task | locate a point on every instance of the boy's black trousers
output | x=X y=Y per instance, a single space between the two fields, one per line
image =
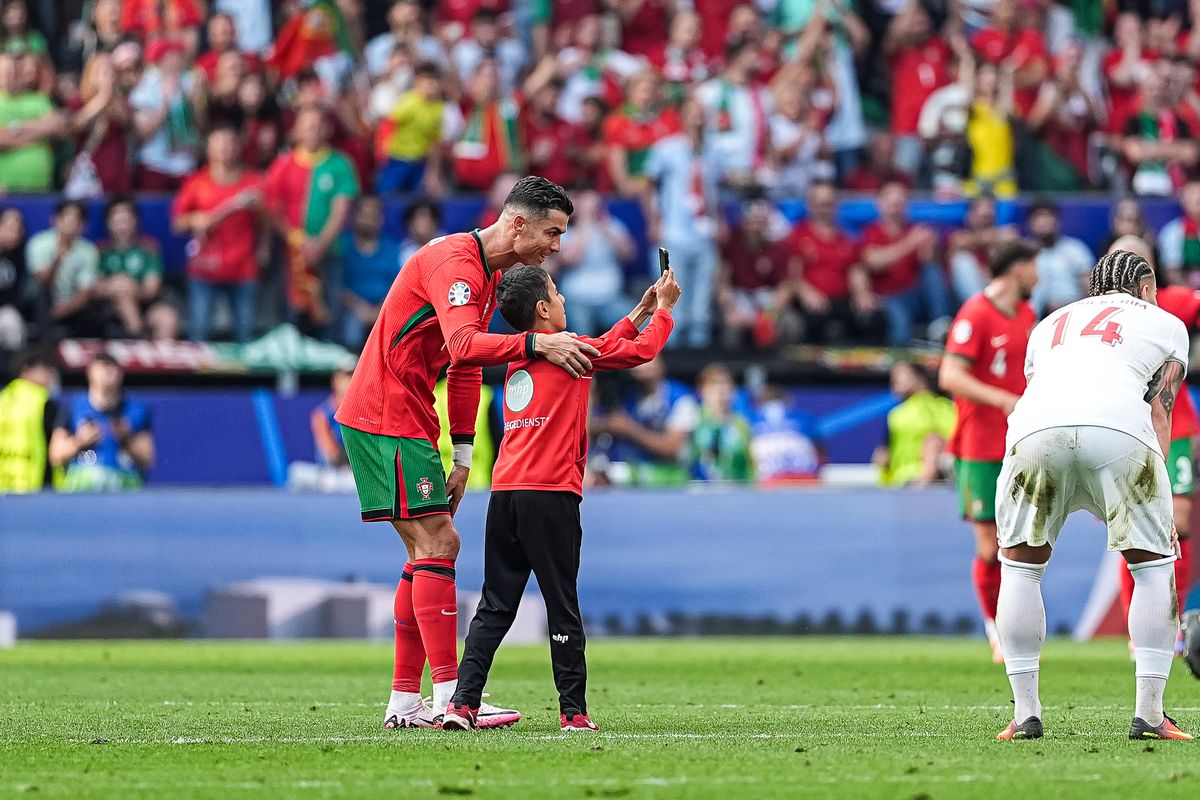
x=539 y=532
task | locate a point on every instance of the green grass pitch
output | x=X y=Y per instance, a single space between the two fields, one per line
x=725 y=718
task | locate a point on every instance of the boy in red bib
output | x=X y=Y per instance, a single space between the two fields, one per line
x=537 y=484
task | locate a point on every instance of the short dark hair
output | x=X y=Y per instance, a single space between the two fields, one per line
x=417 y=206
x=63 y=205
x=31 y=357
x=1009 y=254
x=105 y=358
x=117 y=202
x=738 y=45
x=537 y=197
x=428 y=69
x=518 y=294
x=1044 y=204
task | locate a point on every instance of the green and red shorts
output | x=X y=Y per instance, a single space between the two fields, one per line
x=396 y=477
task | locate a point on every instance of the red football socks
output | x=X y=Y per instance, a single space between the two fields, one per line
x=436 y=605
x=986 y=578
x=410 y=652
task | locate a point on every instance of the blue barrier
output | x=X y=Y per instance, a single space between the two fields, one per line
x=745 y=552
x=1084 y=217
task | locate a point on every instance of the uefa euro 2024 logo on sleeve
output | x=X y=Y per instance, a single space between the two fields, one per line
x=519 y=391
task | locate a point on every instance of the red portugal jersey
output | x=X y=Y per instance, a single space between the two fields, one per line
x=903 y=273
x=995 y=345
x=1184 y=303
x=436 y=313
x=827 y=260
x=545 y=410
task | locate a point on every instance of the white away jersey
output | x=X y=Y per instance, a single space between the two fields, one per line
x=1090 y=363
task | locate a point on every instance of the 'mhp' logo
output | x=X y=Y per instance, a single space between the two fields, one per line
x=561 y=638
x=519 y=391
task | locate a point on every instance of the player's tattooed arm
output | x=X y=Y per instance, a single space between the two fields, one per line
x=1164 y=386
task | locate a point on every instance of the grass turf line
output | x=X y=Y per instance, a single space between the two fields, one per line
x=712 y=718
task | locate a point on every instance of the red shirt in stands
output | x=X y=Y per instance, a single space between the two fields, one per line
x=637 y=132
x=227 y=253
x=1027 y=46
x=548 y=146
x=436 y=313
x=917 y=72
x=995 y=344
x=863 y=179
x=902 y=275
x=646 y=30
x=1123 y=101
x=827 y=260
x=545 y=410
x=714 y=26
x=760 y=267
x=1185 y=304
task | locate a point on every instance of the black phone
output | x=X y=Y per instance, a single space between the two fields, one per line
x=664 y=261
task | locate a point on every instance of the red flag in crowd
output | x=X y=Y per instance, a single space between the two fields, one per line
x=319 y=30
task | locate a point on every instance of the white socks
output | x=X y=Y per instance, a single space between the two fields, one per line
x=1021 y=624
x=1153 y=625
x=403 y=701
x=443 y=693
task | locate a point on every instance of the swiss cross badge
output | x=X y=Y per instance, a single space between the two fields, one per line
x=425 y=487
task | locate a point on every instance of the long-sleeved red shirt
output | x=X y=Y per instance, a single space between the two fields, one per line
x=436 y=313
x=545 y=410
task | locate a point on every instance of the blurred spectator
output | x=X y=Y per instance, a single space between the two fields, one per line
x=918 y=60
x=588 y=151
x=797 y=138
x=970 y=247
x=632 y=131
x=308 y=193
x=251 y=21
x=1125 y=67
x=262 y=123
x=418 y=126
x=942 y=124
x=682 y=214
x=422 y=222
x=489 y=144
x=130 y=274
x=644 y=24
x=827 y=283
x=27 y=415
x=1127 y=219
x=899 y=257
x=1182 y=94
x=331 y=471
x=1064 y=263
x=486 y=42
x=738 y=110
x=159 y=20
x=592 y=68
x=680 y=61
x=103 y=437
x=16 y=36
x=990 y=133
x=720 y=444
x=165 y=119
x=222 y=38
x=65 y=266
x=100 y=33
x=1063 y=118
x=649 y=426
x=784 y=439
x=1179 y=240
x=406 y=31
x=101 y=123
x=222 y=104
x=549 y=140
x=372 y=261
x=879 y=167
x=591 y=277
x=1157 y=144
x=913 y=452
x=751 y=285
x=220 y=207
x=28 y=123
x=13 y=295
x=1015 y=48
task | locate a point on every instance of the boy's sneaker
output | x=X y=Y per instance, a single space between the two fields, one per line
x=1140 y=729
x=490 y=716
x=1031 y=728
x=460 y=718
x=576 y=721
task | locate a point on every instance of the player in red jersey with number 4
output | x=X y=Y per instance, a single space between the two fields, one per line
x=983 y=370
x=437 y=313
x=1184 y=303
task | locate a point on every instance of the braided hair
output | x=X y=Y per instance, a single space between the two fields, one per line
x=1120 y=271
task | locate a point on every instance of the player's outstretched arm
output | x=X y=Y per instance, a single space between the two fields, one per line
x=621 y=353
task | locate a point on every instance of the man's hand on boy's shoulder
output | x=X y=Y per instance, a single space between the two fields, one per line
x=565 y=351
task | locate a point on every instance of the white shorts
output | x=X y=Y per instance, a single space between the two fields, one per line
x=1053 y=472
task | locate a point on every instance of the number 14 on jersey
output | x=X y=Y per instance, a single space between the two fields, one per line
x=1101 y=326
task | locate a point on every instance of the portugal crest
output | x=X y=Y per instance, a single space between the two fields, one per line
x=425 y=487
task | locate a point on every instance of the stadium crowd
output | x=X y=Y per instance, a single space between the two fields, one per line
x=267 y=121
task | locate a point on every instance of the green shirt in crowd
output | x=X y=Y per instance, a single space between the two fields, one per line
x=721 y=449
x=140 y=261
x=29 y=168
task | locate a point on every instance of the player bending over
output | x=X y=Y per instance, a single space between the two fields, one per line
x=1091 y=432
x=537 y=485
x=437 y=312
x=1182 y=302
x=982 y=370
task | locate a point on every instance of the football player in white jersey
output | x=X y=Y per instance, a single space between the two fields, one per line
x=1090 y=433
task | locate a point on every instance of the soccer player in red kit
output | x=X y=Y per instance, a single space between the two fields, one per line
x=537 y=485
x=984 y=369
x=1184 y=303
x=437 y=313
